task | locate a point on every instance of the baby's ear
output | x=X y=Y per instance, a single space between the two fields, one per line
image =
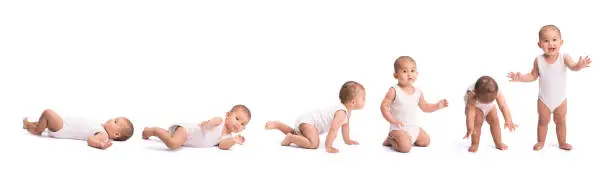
x=395 y=75
x=227 y=114
x=117 y=134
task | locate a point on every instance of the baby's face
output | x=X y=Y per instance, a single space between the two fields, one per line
x=360 y=100
x=237 y=120
x=407 y=73
x=113 y=126
x=550 y=42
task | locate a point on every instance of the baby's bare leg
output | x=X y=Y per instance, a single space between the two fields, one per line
x=423 y=140
x=559 y=118
x=280 y=126
x=400 y=141
x=308 y=139
x=543 y=120
x=478 y=121
x=493 y=121
x=173 y=141
x=48 y=119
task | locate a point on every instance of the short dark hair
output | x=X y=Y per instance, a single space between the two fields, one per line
x=241 y=108
x=486 y=89
x=349 y=91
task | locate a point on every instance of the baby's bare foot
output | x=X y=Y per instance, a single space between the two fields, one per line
x=538 y=146
x=147 y=132
x=26 y=124
x=272 y=125
x=30 y=127
x=287 y=141
x=501 y=146
x=386 y=142
x=566 y=146
x=473 y=148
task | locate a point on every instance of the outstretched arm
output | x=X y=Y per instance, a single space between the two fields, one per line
x=431 y=107
x=501 y=102
x=576 y=66
x=470 y=113
x=530 y=77
x=346 y=136
x=339 y=117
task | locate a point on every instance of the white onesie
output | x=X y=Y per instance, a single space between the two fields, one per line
x=552 y=81
x=484 y=107
x=404 y=108
x=197 y=137
x=321 y=119
x=77 y=128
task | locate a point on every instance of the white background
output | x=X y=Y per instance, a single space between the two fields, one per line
x=160 y=62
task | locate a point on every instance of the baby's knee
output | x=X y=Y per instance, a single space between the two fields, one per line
x=423 y=143
x=559 y=120
x=313 y=145
x=543 y=121
x=47 y=112
x=403 y=148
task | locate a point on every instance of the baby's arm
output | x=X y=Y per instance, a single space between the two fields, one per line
x=345 y=134
x=100 y=140
x=385 y=108
x=431 y=107
x=501 y=102
x=214 y=122
x=339 y=117
x=227 y=143
x=471 y=113
x=530 y=77
x=576 y=66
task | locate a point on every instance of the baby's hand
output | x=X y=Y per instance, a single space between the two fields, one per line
x=514 y=76
x=397 y=123
x=511 y=126
x=239 y=139
x=104 y=144
x=331 y=150
x=583 y=63
x=442 y=104
x=469 y=133
x=204 y=125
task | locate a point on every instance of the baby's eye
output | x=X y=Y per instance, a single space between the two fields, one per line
x=404 y=71
x=554 y=39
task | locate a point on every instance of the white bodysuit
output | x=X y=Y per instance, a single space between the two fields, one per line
x=321 y=119
x=552 y=82
x=484 y=107
x=197 y=137
x=77 y=128
x=405 y=109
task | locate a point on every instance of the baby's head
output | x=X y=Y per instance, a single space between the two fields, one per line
x=237 y=118
x=405 y=70
x=486 y=89
x=119 y=129
x=352 y=94
x=550 y=40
